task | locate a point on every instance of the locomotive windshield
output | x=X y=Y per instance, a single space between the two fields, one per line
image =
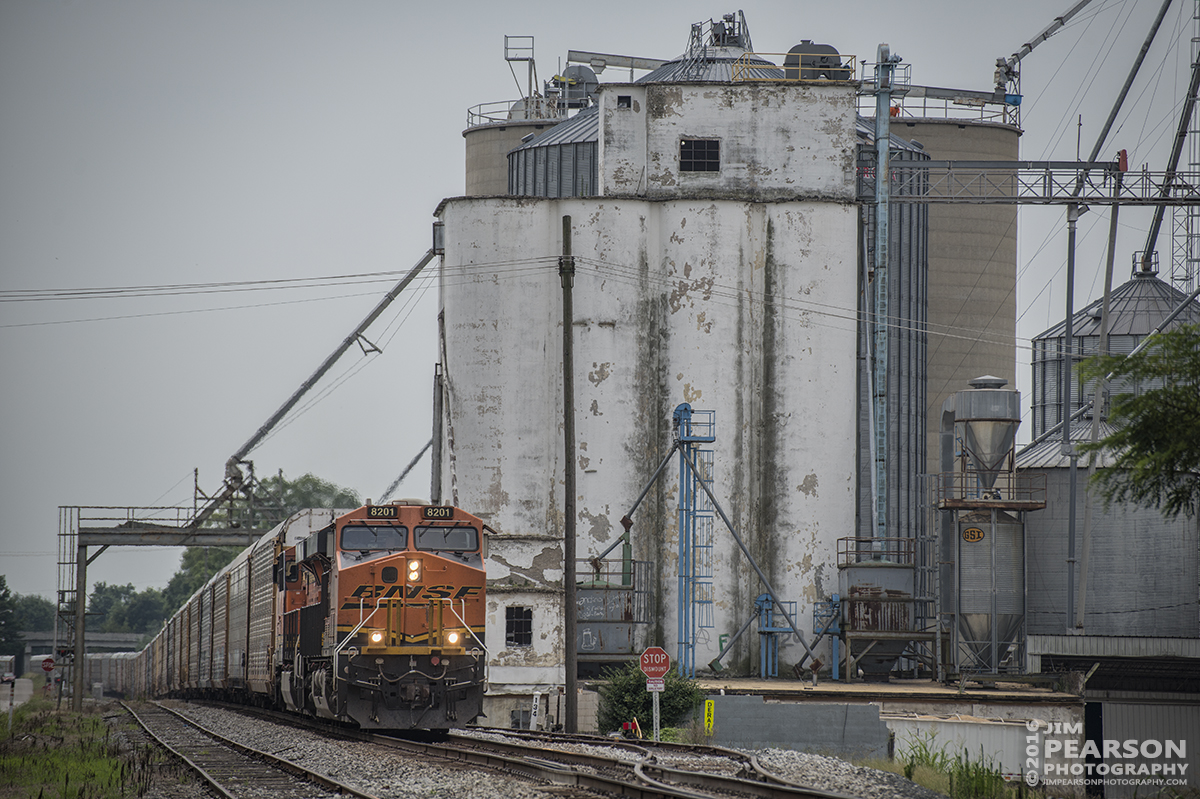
x=365 y=537
x=447 y=539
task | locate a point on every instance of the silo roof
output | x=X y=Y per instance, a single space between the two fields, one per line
x=1136 y=308
x=715 y=66
x=583 y=127
x=1048 y=454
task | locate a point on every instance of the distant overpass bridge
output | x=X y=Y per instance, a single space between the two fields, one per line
x=42 y=643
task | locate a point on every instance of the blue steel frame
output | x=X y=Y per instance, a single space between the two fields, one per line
x=695 y=532
x=768 y=650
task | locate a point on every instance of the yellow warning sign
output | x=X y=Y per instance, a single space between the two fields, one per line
x=709 y=711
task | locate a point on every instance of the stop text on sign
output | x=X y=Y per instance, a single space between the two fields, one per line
x=655 y=662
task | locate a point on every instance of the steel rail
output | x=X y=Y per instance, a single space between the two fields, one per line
x=641 y=778
x=252 y=764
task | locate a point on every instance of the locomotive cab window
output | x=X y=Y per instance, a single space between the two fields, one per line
x=365 y=538
x=699 y=155
x=446 y=539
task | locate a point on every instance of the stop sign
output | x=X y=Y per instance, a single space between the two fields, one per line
x=655 y=662
x=48 y=664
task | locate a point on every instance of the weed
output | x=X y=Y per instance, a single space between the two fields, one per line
x=932 y=766
x=71 y=756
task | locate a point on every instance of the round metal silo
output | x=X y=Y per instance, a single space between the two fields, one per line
x=1136 y=308
x=991 y=587
x=560 y=163
x=908 y=289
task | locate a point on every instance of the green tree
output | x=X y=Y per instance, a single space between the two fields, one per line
x=33 y=613
x=1156 y=445
x=623 y=697
x=106 y=606
x=308 y=491
x=122 y=609
x=145 y=612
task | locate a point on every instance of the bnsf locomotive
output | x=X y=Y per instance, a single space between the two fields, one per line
x=375 y=616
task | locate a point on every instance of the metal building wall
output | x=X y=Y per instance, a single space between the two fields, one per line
x=1143 y=570
x=558 y=170
x=1171 y=718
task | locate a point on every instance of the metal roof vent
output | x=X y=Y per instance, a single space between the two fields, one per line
x=988 y=381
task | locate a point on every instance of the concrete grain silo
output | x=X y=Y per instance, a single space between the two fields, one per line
x=715 y=265
x=972 y=258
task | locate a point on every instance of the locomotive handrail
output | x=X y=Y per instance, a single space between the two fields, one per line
x=350 y=635
x=450 y=602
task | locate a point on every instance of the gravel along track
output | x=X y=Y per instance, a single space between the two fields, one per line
x=364 y=765
x=388 y=775
x=837 y=776
x=230 y=771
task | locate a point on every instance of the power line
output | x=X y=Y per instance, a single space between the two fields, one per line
x=185 y=311
x=177 y=289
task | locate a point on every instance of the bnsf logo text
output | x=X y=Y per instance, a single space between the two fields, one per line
x=412 y=592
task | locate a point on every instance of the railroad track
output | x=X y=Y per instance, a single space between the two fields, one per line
x=232 y=769
x=638 y=772
x=584 y=765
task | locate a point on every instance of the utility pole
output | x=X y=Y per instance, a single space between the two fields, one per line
x=1068 y=447
x=566 y=273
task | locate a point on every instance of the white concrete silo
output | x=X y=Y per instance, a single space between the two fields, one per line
x=732 y=288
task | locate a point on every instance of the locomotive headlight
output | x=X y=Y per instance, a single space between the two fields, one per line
x=452 y=638
x=414 y=571
x=376 y=636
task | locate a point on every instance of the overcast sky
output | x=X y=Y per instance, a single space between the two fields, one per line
x=158 y=144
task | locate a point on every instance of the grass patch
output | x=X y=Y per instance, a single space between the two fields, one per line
x=60 y=755
x=959 y=775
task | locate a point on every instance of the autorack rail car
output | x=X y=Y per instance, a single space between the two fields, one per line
x=373 y=616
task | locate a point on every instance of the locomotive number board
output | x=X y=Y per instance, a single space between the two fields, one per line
x=383 y=512
x=437 y=512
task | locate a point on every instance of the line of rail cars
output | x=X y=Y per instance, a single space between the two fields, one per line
x=373 y=616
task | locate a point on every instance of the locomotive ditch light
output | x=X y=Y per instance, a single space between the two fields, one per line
x=376 y=637
x=452 y=638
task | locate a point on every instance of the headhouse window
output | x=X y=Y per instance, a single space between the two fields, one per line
x=699 y=155
x=518 y=626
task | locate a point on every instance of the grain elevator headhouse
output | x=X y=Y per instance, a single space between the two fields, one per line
x=714 y=234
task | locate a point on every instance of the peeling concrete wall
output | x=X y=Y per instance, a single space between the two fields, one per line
x=742 y=308
x=777 y=140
